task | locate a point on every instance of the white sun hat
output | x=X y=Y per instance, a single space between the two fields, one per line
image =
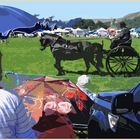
x=82 y=80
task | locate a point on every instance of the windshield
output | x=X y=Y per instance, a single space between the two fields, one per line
x=136 y=92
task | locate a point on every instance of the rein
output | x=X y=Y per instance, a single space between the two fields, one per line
x=55 y=41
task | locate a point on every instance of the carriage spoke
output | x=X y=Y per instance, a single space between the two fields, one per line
x=134 y=64
x=121 y=57
x=114 y=60
x=115 y=65
x=122 y=60
x=126 y=69
x=121 y=69
x=131 y=68
x=127 y=65
x=126 y=57
x=117 y=68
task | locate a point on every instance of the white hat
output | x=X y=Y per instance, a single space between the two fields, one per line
x=82 y=80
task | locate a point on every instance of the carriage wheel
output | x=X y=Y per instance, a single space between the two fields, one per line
x=122 y=61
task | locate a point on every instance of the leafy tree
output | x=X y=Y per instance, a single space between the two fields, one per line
x=100 y=24
x=85 y=24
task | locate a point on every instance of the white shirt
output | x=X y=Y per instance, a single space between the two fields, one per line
x=15 y=119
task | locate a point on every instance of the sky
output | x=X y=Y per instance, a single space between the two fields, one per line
x=69 y=10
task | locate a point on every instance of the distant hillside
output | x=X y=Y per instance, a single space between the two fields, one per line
x=131 y=19
x=131 y=16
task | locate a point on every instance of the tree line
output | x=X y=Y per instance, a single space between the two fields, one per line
x=91 y=25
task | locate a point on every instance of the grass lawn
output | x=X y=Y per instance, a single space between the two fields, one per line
x=22 y=55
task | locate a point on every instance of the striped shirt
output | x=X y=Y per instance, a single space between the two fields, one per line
x=15 y=119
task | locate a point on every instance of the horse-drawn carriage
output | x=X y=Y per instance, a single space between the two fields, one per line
x=122 y=60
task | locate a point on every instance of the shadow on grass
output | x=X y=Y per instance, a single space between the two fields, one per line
x=83 y=72
x=138 y=73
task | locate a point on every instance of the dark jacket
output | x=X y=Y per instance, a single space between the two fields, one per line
x=124 y=34
x=123 y=37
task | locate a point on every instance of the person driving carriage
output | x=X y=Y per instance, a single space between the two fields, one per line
x=123 y=37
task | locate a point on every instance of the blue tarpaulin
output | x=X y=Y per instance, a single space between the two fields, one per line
x=11 y=18
x=16 y=20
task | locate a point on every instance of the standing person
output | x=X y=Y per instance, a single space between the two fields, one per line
x=15 y=120
x=82 y=81
x=122 y=37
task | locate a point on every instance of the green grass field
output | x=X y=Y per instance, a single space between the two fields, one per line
x=23 y=55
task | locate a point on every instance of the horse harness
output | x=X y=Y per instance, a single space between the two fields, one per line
x=66 y=45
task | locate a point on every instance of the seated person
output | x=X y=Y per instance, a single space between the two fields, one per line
x=122 y=37
x=15 y=120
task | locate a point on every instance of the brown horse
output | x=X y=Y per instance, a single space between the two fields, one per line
x=66 y=50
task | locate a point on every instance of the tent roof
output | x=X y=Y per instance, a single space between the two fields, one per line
x=101 y=30
x=11 y=18
x=78 y=29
